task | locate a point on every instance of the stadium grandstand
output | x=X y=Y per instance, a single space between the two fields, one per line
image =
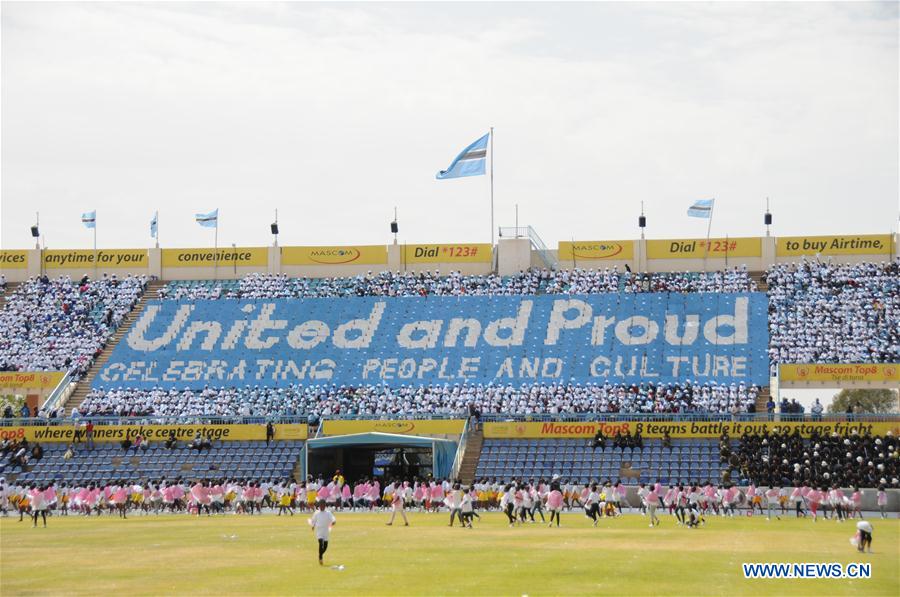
x=636 y=361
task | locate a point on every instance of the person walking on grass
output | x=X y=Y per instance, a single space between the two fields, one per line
x=398 y=505
x=652 y=501
x=555 y=503
x=321 y=523
x=592 y=504
x=38 y=505
x=772 y=503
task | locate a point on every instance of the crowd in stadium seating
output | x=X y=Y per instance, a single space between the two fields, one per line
x=318 y=401
x=731 y=280
x=823 y=460
x=58 y=324
x=535 y=281
x=831 y=313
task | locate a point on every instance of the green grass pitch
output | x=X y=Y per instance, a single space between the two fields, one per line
x=270 y=555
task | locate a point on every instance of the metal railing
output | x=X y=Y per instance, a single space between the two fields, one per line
x=550 y=262
x=689 y=417
x=156 y=420
x=460 y=451
x=59 y=393
x=489 y=417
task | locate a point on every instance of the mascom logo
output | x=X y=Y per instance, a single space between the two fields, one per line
x=890 y=372
x=400 y=427
x=596 y=250
x=520 y=429
x=334 y=256
x=802 y=372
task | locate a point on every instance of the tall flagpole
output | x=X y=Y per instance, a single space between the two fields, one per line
x=95 y=244
x=492 y=189
x=708 y=229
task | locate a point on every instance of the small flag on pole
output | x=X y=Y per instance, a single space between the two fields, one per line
x=89 y=219
x=470 y=162
x=210 y=220
x=701 y=209
x=154 y=222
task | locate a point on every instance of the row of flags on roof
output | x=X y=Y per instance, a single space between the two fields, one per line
x=469 y=162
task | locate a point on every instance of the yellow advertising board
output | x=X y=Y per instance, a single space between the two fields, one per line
x=154 y=433
x=861 y=244
x=841 y=372
x=231 y=256
x=459 y=253
x=595 y=249
x=359 y=255
x=108 y=258
x=696 y=248
x=13 y=259
x=30 y=380
x=401 y=427
x=676 y=429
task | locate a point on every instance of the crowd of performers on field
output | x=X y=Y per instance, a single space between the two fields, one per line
x=521 y=501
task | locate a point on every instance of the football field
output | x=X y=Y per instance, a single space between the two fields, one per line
x=271 y=555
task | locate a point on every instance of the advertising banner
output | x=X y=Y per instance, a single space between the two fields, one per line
x=824 y=373
x=109 y=258
x=401 y=427
x=675 y=429
x=862 y=244
x=232 y=256
x=460 y=253
x=361 y=255
x=30 y=380
x=582 y=250
x=13 y=259
x=153 y=433
x=719 y=248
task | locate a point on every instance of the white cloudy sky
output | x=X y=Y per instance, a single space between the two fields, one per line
x=336 y=113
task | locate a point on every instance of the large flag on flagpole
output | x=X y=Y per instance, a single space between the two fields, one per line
x=701 y=209
x=154 y=223
x=470 y=161
x=89 y=219
x=210 y=220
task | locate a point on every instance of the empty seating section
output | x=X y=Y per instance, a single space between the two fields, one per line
x=108 y=462
x=694 y=460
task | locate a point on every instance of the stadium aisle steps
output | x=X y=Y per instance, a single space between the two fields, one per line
x=474 y=443
x=10 y=289
x=84 y=385
x=762 y=399
x=760 y=280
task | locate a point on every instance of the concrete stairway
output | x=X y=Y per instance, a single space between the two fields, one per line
x=762 y=399
x=474 y=442
x=764 y=392
x=84 y=385
x=758 y=278
x=10 y=289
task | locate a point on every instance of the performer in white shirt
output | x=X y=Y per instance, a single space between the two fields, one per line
x=321 y=522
